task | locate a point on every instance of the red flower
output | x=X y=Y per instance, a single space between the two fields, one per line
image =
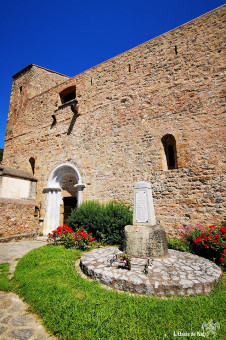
x=92 y=239
x=224 y=245
x=209 y=237
x=223 y=229
x=221 y=259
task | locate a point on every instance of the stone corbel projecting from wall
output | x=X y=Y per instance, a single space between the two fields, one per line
x=72 y=103
x=68 y=97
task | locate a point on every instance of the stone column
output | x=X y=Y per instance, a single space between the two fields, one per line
x=144 y=238
x=52 y=209
x=80 y=187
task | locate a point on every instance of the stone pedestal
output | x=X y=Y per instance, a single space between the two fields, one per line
x=144 y=238
x=145 y=241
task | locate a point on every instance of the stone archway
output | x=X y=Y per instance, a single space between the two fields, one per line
x=64 y=178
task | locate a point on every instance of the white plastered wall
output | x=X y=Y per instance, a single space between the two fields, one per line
x=16 y=188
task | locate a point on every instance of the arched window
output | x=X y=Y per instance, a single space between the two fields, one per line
x=32 y=162
x=169 y=144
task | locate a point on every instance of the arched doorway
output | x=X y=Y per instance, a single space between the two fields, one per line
x=63 y=192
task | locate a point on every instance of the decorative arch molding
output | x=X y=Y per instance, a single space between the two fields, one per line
x=53 y=194
x=60 y=172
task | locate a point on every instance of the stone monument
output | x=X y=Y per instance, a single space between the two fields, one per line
x=144 y=239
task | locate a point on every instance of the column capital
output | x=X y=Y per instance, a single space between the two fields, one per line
x=79 y=186
x=46 y=190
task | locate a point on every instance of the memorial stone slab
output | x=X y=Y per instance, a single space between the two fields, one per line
x=143 y=212
x=144 y=238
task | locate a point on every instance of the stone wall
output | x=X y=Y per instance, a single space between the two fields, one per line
x=24 y=87
x=18 y=217
x=172 y=84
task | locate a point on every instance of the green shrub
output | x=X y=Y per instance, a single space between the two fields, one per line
x=105 y=221
x=88 y=215
x=181 y=245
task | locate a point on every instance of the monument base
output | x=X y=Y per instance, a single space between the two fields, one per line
x=145 y=241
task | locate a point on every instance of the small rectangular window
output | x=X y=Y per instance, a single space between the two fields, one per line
x=68 y=94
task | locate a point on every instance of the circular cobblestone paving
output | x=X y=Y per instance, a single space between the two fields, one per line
x=177 y=274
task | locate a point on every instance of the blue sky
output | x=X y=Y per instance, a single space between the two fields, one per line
x=71 y=36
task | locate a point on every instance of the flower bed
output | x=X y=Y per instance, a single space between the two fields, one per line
x=209 y=242
x=212 y=244
x=65 y=235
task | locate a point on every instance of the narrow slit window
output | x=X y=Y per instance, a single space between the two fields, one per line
x=169 y=145
x=32 y=163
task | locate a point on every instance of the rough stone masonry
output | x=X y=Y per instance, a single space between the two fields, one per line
x=154 y=113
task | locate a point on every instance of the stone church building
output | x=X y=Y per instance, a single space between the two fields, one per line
x=154 y=113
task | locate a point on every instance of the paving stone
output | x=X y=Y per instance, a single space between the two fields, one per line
x=6 y=319
x=21 y=320
x=179 y=274
x=15 y=322
x=2 y=330
x=22 y=334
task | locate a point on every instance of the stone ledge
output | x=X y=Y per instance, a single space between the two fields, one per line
x=18 y=237
x=20 y=201
x=178 y=274
x=17 y=173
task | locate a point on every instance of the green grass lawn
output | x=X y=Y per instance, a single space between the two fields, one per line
x=5 y=283
x=74 y=308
